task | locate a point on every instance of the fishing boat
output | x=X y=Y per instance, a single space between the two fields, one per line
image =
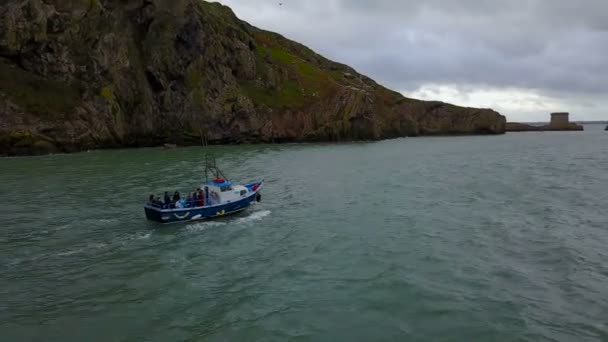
x=219 y=197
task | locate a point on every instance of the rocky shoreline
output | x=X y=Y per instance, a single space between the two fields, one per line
x=79 y=75
x=44 y=147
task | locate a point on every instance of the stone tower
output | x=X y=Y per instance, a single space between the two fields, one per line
x=560 y=121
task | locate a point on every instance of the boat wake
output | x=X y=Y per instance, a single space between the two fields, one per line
x=202 y=226
x=255 y=216
x=96 y=246
x=136 y=236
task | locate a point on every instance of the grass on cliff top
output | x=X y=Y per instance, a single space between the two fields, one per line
x=314 y=71
x=51 y=100
x=223 y=17
x=306 y=82
x=290 y=94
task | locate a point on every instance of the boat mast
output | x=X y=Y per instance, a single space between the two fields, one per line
x=210 y=163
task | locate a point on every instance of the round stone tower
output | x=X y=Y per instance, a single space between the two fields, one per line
x=560 y=120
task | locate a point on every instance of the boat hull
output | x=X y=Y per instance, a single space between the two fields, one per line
x=166 y=216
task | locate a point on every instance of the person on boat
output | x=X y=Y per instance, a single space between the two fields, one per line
x=178 y=205
x=176 y=196
x=167 y=198
x=189 y=201
x=200 y=199
x=215 y=197
x=153 y=202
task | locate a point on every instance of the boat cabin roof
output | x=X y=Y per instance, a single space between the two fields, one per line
x=221 y=183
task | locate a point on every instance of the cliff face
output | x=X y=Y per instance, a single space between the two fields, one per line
x=83 y=74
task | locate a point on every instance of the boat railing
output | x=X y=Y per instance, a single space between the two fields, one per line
x=209 y=202
x=172 y=206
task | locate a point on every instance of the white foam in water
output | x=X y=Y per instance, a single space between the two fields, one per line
x=198 y=227
x=255 y=216
x=72 y=252
x=132 y=237
x=99 y=245
x=202 y=226
x=107 y=221
x=65 y=226
x=138 y=236
x=143 y=236
x=88 y=248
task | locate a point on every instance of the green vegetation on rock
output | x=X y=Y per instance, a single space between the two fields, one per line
x=290 y=94
x=51 y=100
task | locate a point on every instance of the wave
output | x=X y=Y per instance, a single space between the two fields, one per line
x=99 y=245
x=96 y=246
x=136 y=236
x=70 y=252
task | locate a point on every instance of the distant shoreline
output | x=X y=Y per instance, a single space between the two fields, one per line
x=177 y=147
x=539 y=123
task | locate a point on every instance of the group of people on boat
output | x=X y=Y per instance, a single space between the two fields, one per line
x=196 y=199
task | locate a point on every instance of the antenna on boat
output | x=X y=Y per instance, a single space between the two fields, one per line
x=210 y=164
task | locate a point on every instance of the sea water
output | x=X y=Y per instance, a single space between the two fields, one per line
x=482 y=238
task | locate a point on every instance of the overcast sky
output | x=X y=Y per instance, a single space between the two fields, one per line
x=524 y=58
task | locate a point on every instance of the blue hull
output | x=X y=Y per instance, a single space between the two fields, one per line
x=195 y=214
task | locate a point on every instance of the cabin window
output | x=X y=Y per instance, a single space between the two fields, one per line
x=243 y=192
x=226 y=188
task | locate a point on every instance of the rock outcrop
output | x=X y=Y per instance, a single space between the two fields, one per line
x=84 y=74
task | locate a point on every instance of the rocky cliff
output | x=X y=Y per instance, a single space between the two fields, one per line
x=83 y=74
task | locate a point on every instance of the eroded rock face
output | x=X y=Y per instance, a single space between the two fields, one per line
x=83 y=74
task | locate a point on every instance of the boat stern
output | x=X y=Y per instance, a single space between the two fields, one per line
x=153 y=214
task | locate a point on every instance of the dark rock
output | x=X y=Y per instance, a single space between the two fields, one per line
x=92 y=74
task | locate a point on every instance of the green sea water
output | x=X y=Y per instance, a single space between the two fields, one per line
x=493 y=238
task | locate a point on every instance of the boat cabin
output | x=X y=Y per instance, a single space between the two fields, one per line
x=223 y=191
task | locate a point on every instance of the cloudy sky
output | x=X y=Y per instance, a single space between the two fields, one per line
x=524 y=58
